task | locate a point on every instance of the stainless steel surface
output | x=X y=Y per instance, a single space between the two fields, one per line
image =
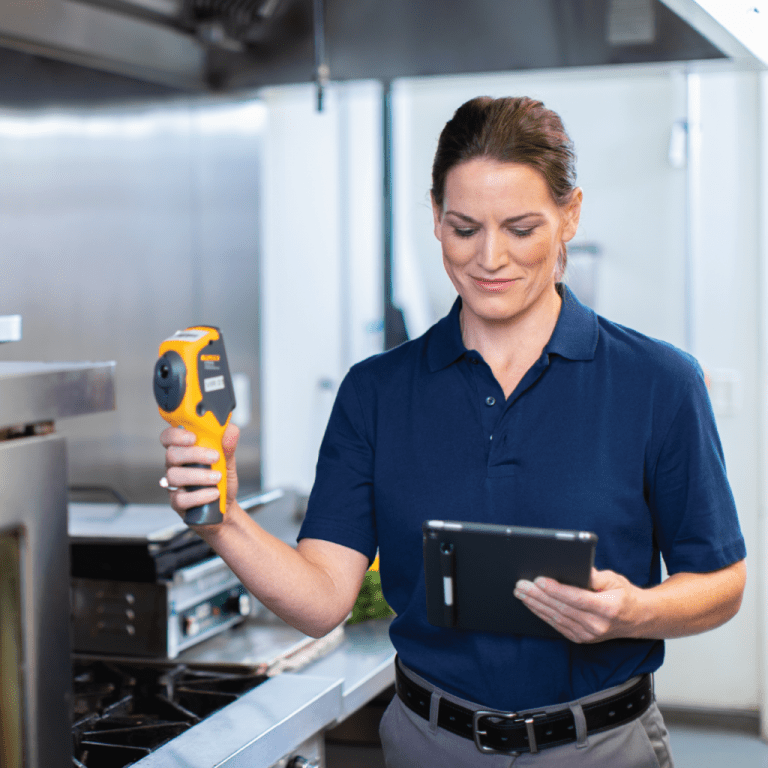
x=10 y=328
x=257 y=642
x=258 y=729
x=146 y=523
x=308 y=754
x=103 y=39
x=33 y=504
x=36 y=392
x=218 y=46
x=157 y=208
x=365 y=661
x=131 y=523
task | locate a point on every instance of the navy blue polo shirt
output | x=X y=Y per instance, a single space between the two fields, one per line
x=609 y=431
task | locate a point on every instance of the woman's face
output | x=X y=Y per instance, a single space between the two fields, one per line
x=501 y=233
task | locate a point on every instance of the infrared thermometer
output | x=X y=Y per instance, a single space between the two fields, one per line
x=193 y=389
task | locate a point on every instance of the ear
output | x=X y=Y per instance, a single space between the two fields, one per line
x=437 y=215
x=572 y=214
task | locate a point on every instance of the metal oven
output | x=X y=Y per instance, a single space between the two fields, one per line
x=35 y=674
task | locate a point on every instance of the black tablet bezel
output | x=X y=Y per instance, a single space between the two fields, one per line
x=471 y=570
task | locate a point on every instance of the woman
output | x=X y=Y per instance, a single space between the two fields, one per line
x=522 y=407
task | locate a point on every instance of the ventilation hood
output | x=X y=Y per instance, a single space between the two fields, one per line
x=204 y=45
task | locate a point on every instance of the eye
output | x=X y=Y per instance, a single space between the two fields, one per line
x=523 y=232
x=464 y=231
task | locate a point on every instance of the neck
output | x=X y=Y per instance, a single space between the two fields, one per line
x=511 y=346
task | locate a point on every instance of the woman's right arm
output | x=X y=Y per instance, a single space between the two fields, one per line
x=312 y=587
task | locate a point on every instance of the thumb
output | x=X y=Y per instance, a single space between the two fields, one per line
x=228 y=445
x=600 y=580
x=229 y=441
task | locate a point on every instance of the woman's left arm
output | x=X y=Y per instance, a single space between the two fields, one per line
x=683 y=604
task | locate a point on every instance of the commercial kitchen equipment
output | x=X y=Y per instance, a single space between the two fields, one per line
x=35 y=676
x=257 y=692
x=144 y=584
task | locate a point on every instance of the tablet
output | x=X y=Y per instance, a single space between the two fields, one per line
x=471 y=570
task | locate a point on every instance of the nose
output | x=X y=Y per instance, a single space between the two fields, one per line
x=494 y=252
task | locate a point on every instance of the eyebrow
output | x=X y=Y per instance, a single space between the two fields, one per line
x=510 y=220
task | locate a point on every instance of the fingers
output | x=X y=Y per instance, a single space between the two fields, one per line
x=176 y=456
x=574 y=624
x=183 y=477
x=180 y=449
x=177 y=436
x=580 y=615
x=180 y=452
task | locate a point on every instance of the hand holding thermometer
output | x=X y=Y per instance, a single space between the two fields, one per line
x=193 y=389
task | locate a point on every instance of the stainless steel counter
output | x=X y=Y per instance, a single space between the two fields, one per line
x=36 y=392
x=365 y=661
x=271 y=720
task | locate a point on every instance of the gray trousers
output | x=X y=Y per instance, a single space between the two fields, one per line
x=409 y=741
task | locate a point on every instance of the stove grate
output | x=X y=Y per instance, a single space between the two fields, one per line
x=124 y=711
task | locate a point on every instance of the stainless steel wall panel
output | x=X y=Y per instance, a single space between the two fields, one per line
x=121 y=226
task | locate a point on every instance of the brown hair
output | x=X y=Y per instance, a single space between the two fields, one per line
x=508 y=130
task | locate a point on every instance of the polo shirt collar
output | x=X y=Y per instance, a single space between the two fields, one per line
x=574 y=337
x=576 y=330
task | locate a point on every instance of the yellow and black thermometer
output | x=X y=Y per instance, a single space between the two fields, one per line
x=193 y=389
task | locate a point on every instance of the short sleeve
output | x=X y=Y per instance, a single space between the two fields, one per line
x=696 y=523
x=340 y=507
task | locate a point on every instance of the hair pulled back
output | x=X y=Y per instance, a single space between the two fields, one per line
x=508 y=130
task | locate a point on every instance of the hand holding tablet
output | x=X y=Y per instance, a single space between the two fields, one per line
x=471 y=570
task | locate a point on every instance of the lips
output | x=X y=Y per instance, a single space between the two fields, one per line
x=494 y=286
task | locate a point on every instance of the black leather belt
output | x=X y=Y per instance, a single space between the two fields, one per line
x=505 y=732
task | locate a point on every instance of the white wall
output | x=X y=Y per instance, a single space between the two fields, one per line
x=322 y=295
x=760 y=563
x=634 y=202
x=721 y=668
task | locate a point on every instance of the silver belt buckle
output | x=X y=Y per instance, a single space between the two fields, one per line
x=477 y=733
x=527 y=720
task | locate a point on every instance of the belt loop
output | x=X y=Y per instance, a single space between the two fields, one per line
x=434 y=709
x=581 y=725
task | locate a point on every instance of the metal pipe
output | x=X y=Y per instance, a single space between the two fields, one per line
x=322 y=71
x=394 y=323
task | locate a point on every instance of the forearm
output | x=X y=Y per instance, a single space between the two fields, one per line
x=684 y=604
x=690 y=603
x=292 y=583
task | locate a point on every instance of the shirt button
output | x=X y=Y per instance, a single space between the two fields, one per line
x=474 y=361
x=490 y=401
